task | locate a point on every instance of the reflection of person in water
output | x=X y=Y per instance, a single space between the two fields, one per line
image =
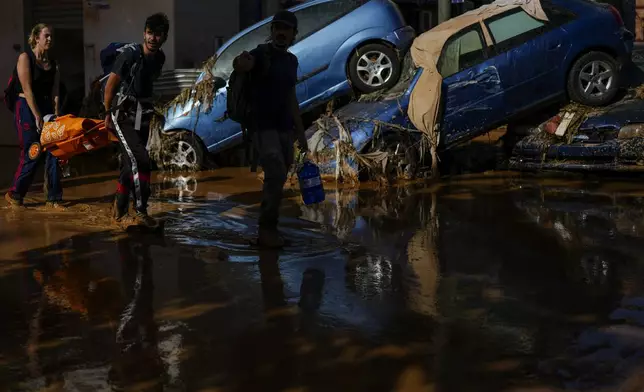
x=38 y=365
x=62 y=274
x=272 y=284
x=272 y=345
x=65 y=284
x=138 y=359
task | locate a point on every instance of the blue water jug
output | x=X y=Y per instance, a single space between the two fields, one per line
x=310 y=183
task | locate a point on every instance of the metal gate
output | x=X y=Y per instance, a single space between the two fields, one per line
x=61 y=14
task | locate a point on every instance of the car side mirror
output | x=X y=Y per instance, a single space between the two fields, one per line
x=218 y=83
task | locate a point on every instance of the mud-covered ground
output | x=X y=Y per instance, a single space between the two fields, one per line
x=483 y=282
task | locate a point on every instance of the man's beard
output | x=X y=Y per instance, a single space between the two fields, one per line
x=280 y=42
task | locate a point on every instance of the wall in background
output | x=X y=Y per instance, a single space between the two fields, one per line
x=122 y=22
x=11 y=33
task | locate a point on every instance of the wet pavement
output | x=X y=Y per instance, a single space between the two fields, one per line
x=487 y=282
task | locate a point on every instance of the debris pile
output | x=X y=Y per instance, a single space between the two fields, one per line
x=200 y=94
x=378 y=161
x=638 y=92
x=348 y=161
x=562 y=128
x=632 y=150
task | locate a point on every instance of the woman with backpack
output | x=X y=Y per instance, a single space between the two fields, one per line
x=35 y=89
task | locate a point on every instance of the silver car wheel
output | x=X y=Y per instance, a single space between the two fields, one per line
x=185 y=156
x=596 y=78
x=374 y=68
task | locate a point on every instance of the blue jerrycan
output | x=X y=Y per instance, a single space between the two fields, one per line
x=310 y=183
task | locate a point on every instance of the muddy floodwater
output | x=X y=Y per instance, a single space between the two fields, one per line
x=486 y=282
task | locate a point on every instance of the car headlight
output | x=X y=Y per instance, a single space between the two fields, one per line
x=630 y=131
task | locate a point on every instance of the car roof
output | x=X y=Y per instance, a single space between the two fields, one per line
x=262 y=22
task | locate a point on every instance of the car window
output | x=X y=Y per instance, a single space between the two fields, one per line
x=224 y=65
x=461 y=52
x=315 y=17
x=513 y=29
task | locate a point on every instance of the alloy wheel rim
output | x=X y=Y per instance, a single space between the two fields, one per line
x=596 y=78
x=374 y=68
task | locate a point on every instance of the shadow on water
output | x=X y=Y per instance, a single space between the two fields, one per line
x=477 y=285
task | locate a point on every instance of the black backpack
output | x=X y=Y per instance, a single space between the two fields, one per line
x=11 y=92
x=238 y=100
x=108 y=57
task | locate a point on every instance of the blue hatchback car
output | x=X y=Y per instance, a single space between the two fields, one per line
x=340 y=44
x=577 y=54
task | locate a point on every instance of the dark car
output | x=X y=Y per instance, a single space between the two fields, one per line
x=610 y=140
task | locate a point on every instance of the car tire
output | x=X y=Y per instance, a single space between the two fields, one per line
x=182 y=151
x=372 y=60
x=587 y=70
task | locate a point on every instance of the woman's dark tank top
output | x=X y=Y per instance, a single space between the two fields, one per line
x=42 y=81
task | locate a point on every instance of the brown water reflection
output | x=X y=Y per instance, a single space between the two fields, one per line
x=484 y=283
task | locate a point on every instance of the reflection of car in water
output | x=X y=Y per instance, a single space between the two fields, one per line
x=601 y=229
x=340 y=44
x=176 y=185
x=530 y=63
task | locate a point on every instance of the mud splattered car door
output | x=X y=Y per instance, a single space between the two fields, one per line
x=472 y=96
x=534 y=51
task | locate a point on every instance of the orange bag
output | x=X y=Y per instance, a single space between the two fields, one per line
x=65 y=127
x=97 y=139
x=69 y=136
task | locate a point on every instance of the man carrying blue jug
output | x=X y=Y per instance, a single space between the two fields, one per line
x=272 y=71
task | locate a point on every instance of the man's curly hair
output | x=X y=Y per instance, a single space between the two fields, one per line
x=158 y=23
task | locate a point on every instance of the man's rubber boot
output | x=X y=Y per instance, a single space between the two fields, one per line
x=270 y=238
x=118 y=213
x=15 y=203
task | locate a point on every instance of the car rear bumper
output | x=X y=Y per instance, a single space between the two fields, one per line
x=608 y=156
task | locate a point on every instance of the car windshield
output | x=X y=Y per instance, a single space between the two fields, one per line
x=224 y=65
